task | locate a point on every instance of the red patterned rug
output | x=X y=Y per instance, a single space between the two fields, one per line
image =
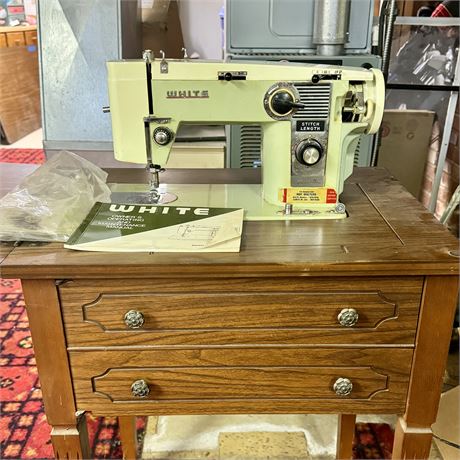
x=373 y=440
x=24 y=432
x=31 y=156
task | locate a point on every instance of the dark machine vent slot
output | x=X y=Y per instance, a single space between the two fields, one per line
x=357 y=153
x=251 y=146
x=317 y=98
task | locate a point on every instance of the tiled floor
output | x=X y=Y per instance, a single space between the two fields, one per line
x=31 y=141
x=248 y=437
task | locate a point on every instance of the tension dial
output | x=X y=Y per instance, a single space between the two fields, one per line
x=162 y=136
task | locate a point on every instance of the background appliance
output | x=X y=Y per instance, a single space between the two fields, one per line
x=75 y=41
x=292 y=30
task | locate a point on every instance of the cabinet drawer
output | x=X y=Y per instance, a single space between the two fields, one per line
x=31 y=37
x=262 y=378
x=238 y=312
x=3 y=43
x=15 y=39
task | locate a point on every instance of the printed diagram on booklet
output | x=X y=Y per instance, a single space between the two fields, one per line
x=195 y=233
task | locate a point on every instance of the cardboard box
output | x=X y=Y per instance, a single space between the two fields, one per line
x=161 y=28
x=447 y=425
x=19 y=93
x=405 y=140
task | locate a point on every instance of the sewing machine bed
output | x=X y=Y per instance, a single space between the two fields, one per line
x=246 y=196
x=367 y=214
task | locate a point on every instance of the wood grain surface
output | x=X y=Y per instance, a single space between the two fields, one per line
x=70 y=442
x=50 y=350
x=345 y=436
x=184 y=312
x=7 y=29
x=5 y=249
x=19 y=89
x=128 y=436
x=192 y=383
x=229 y=378
x=413 y=432
x=69 y=434
x=411 y=444
x=433 y=337
x=388 y=232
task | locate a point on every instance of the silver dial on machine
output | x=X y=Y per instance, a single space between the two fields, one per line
x=162 y=136
x=309 y=152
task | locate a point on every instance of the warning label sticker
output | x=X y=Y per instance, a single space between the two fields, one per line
x=316 y=195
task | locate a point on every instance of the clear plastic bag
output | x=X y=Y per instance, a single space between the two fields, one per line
x=50 y=203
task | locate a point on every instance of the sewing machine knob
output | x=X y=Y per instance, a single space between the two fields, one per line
x=309 y=152
x=282 y=102
x=162 y=136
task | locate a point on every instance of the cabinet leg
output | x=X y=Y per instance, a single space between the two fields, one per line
x=68 y=435
x=413 y=431
x=345 y=435
x=411 y=443
x=71 y=441
x=128 y=437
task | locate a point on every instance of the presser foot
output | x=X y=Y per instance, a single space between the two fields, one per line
x=156 y=196
x=146 y=197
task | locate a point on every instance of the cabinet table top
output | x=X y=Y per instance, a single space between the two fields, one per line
x=388 y=232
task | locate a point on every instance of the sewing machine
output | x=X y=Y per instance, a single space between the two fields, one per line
x=311 y=116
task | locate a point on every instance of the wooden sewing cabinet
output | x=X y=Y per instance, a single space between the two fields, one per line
x=346 y=316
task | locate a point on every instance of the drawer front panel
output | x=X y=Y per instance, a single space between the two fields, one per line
x=309 y=311
x=198 y=377
x=15 y=39
x=242 y=310
x=237 y=383
x=31 y=37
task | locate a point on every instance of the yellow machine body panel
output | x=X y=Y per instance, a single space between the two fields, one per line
x=311 y=117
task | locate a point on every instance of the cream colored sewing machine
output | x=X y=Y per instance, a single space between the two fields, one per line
x=311 y=118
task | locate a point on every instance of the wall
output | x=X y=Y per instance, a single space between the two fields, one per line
x=450 y=175
x=201 y=27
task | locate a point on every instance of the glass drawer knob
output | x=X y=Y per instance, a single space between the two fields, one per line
x=348 y=317
x=343 y=387
x=134 y=319
x=140 y=389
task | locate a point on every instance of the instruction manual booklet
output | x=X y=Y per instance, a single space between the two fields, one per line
x=154 y=228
